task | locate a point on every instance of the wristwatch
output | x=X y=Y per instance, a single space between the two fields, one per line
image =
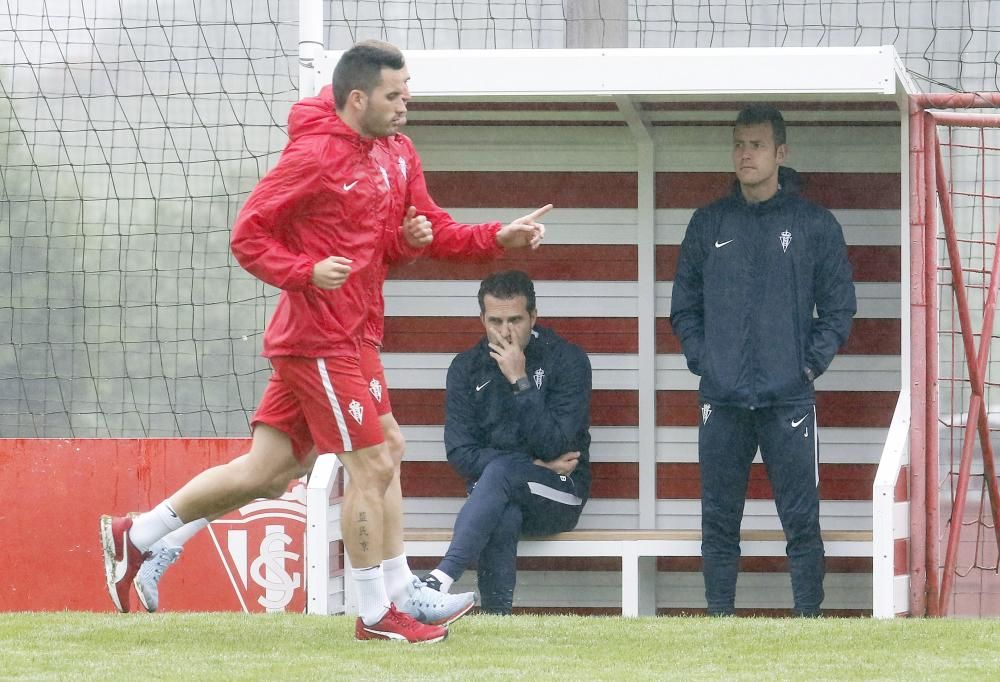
x=522 y=384
x=810 y=375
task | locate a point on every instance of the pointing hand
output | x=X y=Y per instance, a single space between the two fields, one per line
x=525 y=231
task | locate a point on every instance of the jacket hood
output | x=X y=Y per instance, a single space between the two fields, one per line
x=317 y=116
x=789 y=184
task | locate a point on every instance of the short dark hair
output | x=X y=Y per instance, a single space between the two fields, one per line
x=506 y=285
x=764 y=113
x=360 y=68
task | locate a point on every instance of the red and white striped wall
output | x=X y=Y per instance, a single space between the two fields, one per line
x=500 y=160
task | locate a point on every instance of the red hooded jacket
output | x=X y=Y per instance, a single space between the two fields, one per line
x=336 y=193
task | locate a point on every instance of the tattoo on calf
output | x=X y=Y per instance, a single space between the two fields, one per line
x=363 y=531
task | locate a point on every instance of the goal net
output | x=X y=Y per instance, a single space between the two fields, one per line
x=133 y=131
x=967 y=373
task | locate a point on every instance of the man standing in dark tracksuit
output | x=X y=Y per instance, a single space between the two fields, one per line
x=517 y=429
x=753 y=268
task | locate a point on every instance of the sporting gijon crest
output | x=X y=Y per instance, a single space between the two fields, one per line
x=263 y=552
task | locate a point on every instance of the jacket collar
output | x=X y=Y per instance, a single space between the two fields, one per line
x=789 y=185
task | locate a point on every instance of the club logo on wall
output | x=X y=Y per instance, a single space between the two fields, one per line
x=262 y=552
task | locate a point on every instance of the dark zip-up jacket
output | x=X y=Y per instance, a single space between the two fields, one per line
x=485 y=419
x=748 y=279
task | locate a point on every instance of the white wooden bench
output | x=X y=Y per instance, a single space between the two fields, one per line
x=637 y=549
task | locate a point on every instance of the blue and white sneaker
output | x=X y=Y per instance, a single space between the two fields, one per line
x=432 y=607
x=147 y=580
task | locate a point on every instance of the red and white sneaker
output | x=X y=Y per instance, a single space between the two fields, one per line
x=122 y=559
x=400 y=627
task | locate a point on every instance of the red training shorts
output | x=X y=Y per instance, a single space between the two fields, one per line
x=374 y=374
x=320 y=401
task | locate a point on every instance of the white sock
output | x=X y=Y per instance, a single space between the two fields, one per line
x=153 y=525
x=398 y=578
x=446 y=580
x=178 y=537
x=373 y=603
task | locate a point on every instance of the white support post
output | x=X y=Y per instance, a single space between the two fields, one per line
x=631 y=583
x=646 y=305
x=905 y=351
x=310 y=45
x=322 y=528
x=647 y=585
x=884 y=523
x=596 y=23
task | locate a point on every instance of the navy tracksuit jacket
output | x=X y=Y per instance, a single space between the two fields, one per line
x=748 y=279
x=492 y=435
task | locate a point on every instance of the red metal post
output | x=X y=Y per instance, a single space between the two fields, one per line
x=964 y=120
x=926 y=171
x=981 y=360
x=976 y=403
x=957 y=100
x=976 y=359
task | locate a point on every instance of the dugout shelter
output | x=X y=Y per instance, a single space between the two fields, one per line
x=627 y=143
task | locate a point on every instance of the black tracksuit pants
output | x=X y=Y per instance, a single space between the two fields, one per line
x=728 y=439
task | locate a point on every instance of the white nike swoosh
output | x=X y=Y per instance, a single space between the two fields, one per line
x=481 y=387
x=796 y=422
x=720 y=245
x=348 y=188
x=121 y=565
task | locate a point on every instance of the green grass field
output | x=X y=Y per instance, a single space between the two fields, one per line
x=87 y=646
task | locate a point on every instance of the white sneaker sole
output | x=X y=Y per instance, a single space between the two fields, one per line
x=396 y=637
x=445 y=622
x=108 y=544
x=140 y=596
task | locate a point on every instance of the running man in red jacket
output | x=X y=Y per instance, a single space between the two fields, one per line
x=321 y=226
x=425 y=225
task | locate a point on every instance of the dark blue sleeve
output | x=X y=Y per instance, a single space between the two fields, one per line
x=557 y=420
x=836 y=302
x=687 y=309
x=462 y=436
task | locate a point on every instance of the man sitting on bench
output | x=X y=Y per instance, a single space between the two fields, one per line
x=517 y=429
